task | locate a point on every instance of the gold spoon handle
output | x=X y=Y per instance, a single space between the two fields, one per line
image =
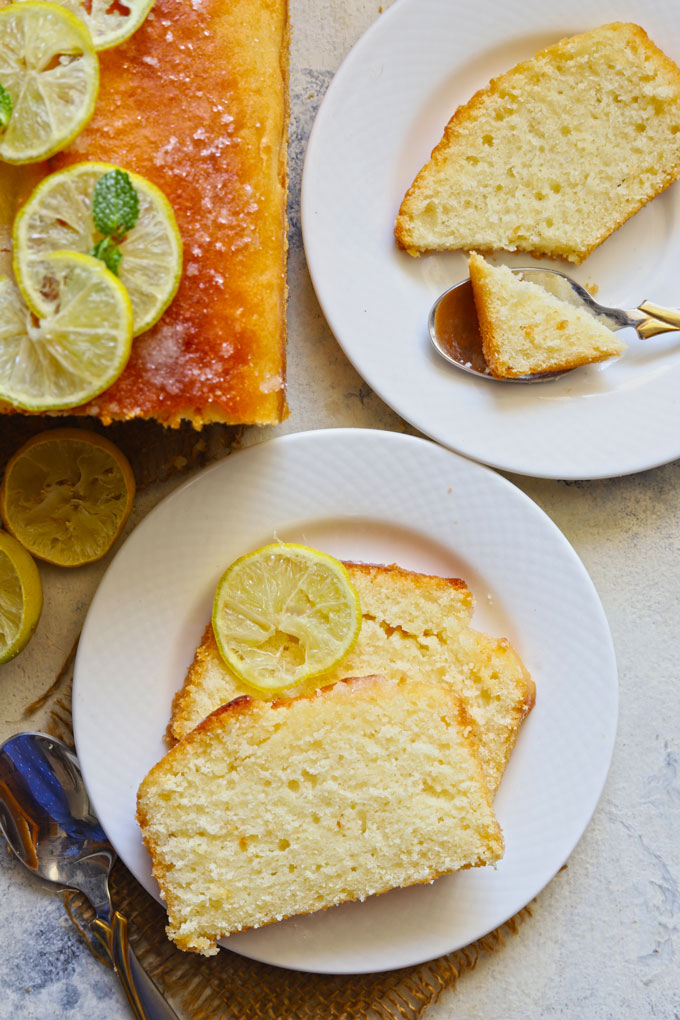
x=113 y=938
x=146 y=1002
x=661 y=320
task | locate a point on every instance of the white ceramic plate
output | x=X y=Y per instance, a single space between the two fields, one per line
x=383 y=113
x=378 y=497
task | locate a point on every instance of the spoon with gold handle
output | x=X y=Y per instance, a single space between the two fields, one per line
x=49 y=823
x=454 y=329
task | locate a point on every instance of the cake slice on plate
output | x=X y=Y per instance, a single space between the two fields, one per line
x=555 y=154
x=273 y=809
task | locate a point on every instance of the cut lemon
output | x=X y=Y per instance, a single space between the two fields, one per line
x=284 y=614
x=109 y=22
x=80 y=345
x=21 y=597
x=49 y=67
x=66 y=496
x=58 y=216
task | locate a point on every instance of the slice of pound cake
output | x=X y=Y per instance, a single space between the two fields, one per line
x=271 y=809
x=412 y=625
x=526 y=330
x=555 y=154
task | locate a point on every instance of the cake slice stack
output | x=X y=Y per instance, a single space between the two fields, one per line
x=380 y=774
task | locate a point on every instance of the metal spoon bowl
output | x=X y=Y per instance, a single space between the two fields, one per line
x=49 y=823
x=454 y=327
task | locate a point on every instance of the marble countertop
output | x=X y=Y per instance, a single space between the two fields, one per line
x=604 y=937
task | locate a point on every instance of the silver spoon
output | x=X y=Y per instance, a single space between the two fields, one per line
x=454 y=328
x=48 y=821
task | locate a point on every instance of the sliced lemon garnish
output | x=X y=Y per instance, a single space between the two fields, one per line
x=21 y=597
x=80 y=345
x=66 y=495
x=284 y=614
x=50 y=69
x=110 y=22
x=58 y=216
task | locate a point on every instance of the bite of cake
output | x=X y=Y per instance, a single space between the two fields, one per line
x=526 y=330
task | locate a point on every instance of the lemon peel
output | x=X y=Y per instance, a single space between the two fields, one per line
x=66 y=495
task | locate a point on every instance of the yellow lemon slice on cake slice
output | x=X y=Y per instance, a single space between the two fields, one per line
x=79 y=346
x=59 y=216
x=285 y=614
x=49 y=76
x=110 y=22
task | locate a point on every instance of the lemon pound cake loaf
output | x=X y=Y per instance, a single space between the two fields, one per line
x=412 y=625
x=526 y=330
x=271 y=809
x=555 y=154
x=196 y=101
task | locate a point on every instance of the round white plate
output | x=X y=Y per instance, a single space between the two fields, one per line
x=383 y=113
x=378 y=497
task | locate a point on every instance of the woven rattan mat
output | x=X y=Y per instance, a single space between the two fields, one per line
x=228 y=986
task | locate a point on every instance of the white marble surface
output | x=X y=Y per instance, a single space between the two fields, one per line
x=603 y=941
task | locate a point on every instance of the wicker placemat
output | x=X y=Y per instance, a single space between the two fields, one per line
x=231 y=987
x=228 y=986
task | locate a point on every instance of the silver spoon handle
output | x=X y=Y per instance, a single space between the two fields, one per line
x=146 y=1002
x=661 y=320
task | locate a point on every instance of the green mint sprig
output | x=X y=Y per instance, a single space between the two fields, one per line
x=115 y=210
x=110 y=254
x=6 y=107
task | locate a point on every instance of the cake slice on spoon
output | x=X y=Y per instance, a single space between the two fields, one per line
x=526 y=330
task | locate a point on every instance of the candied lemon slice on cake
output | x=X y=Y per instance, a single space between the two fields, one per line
x=59 y=216
x=66 y=495
x=21 y=597
x=50 y=71
x=80 y=345
x=284 y=614
x=110 y=22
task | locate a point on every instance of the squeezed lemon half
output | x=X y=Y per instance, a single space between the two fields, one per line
x=284 y=614
x=58 y=217
x=50 y=69
x=21 y=597
x=66 y=495
x=78 y=348
x=109 y=23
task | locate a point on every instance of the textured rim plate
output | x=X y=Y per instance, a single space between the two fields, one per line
x=381 y=497
x=383 y=113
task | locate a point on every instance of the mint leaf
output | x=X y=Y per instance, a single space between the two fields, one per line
x=109 y=253
x=115 y=204
x=5 y=108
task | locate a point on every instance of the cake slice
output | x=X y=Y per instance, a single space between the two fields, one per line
x=412 y=625
x=555 y=154
x=526 y=330
x=272 y=809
